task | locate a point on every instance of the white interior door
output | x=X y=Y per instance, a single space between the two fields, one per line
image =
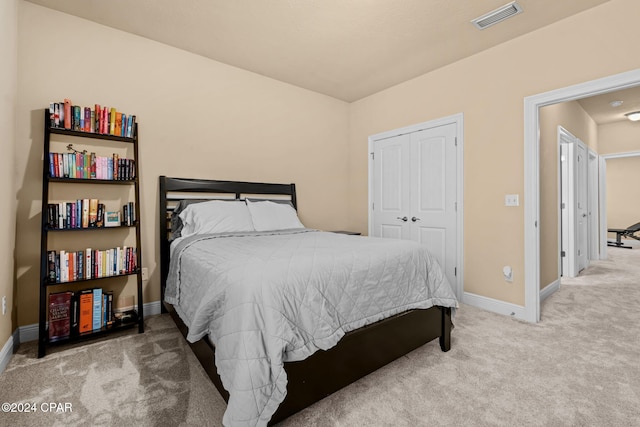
x=573 y=204
x=565 y=224
x=433 y=193
x=391 y=187
x=414 y=191
x=582 y=235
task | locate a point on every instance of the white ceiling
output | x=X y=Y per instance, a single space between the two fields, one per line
x=347 y=49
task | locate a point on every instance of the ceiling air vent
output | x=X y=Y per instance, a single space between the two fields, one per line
x=495 y=16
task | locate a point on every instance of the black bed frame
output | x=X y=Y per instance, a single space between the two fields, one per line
x=359 y=353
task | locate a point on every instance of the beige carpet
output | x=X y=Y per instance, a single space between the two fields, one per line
x=579 y=367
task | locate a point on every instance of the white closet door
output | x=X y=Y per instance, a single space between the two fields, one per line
x=391 y=189
x=414 y=191
x=433 y=193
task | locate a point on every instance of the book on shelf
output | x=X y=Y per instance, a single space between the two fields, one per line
x=59 y=315
x=90 y=166
x=85 y=320
x=97 y=309
x=99 y=119
x=69 y=266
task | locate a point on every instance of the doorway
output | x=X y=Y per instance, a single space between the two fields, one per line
x=532 y=172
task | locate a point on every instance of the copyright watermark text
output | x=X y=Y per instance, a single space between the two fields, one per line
x=52 y=407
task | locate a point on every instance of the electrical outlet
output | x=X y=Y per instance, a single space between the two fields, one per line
x=145 y=273
x=4 y=305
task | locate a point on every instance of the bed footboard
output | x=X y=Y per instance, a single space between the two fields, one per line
x=358 y=354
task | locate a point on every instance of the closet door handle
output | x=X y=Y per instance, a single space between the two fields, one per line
x=404 y=218
x=414 y=219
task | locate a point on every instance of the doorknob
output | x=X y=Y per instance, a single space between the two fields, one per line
x=414 y=219
x=404 y=218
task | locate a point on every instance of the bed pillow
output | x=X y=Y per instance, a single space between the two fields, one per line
x=216 y=216
x=267 y=215
x=176 y=222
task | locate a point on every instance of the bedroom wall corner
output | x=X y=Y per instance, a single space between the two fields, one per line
x=8 y=103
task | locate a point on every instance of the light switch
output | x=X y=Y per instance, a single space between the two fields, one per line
x=512 y=200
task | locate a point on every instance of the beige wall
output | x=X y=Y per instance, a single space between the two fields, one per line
x=572 y=117
x=8 y=98
x=198 y=118
x=623 y=174
x=489 y=89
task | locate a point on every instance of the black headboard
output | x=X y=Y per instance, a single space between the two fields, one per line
x=174 y=189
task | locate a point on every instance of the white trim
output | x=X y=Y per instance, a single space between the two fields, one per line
x=602 y=200
x=30 y=332
x=7 y=350
x=532 y=105
x=621 y=155
x=549 y=290
x=494 y=305
x=152 y=308
x=458 y=120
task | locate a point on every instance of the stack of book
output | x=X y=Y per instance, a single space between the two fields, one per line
x=73 y=313
x=87 y=213
x=96 y=119
x=89 y=166
x=66 y=266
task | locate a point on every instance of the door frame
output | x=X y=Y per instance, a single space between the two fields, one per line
x=532 y=105
x=458 y=120
x=593 y=198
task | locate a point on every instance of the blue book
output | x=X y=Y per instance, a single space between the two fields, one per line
x=52 y=166
x=97 y=308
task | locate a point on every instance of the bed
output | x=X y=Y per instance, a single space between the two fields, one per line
x=296 y=314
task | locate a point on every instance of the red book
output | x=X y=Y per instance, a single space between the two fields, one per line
x=59 y=315
x=67 y=114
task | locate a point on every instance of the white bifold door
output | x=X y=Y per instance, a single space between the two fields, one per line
x=414 y=191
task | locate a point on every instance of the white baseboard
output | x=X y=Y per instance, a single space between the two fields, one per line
x=548 y=290
x=7 y=350
x=30 y=332
x=495 y=305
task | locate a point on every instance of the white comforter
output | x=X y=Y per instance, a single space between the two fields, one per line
x=269 y=298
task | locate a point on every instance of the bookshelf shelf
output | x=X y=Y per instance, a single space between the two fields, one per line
x=92 y=135
x=113 y=227
x=93 y=279
x=93 y=181
x=58 y=262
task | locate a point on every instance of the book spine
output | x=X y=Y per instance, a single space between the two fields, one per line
x=112 y=121
x=87 y=119
x=67 y=114
x=59 y=315
x=86 y=311
x=88 y=253
x=97 y=309
x=51 y=266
